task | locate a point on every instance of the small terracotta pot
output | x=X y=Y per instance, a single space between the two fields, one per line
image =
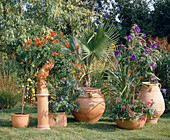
x=92 y=105
x=61 y=120
x=131 y=124
x=151 y=91
x=20 y=120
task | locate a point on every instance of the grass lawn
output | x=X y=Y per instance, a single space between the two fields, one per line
x=102 y=130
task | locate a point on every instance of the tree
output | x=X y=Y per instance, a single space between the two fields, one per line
x=161 y=18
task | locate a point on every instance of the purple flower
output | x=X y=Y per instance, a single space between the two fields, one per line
x=116 y=52
x=144 y=35
x=145 y=51
x=154 y=45
x=77 y=81
x=120 y=45
x=133 y=56
x=146 y=47
x=73 y=77
x=66 y=105
x=68 y=82
x=152 y=64
x=61 y=96
x=155 y=79
x=61 y=101
x=65 y=97
x=129 y=38
x=56 y=113
x=155 y=66
x=54 y=86
x=150 y=50
x=151 y=44
x=63 y=80
x=137 y=28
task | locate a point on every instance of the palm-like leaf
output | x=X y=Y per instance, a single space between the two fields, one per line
x=94 y=44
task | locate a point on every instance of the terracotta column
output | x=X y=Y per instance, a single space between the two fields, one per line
x=42 y=96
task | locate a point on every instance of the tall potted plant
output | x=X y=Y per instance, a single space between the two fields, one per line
x=93 y=44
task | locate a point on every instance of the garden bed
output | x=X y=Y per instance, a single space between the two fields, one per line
x=104 y=129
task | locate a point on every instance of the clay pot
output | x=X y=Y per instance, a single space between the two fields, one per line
x=92 y=105
x=20 y=120
x=61 y=120
x=151 y=91
x=131 y=124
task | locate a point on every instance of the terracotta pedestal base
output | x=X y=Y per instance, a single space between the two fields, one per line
x=43 y=119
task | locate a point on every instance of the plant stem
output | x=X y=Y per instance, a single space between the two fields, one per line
x=23 y=96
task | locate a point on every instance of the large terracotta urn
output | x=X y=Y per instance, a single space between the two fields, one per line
x=92 y=105
x=151 y=91
x=131 y=124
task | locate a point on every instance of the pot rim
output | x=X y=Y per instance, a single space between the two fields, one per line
x=20 y=115
x=60 y=112
x=89 y=89
x=149 y=83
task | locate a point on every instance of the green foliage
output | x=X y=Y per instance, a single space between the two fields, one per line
x=22 y=20
x=160 y=19
x=8 y=99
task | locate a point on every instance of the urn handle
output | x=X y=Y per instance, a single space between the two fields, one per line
x=90 y=95
x=159 y=85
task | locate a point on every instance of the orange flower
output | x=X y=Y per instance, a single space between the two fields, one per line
x=51 y=31
x=24 y=44
x=60 y=43
x=61 y=34
x=62 y=54
x=81 y=66
x=56 y=40
x=44 y=41
x=35 y=43
x=54 y=53
x=49 y=38
x=37 y=39
x=76 y=66
x=52 y=43
x=28 y=43
x=78 y=46
x=53 y=34
x=44 y=36
x=67 y=44
x=30 y=40
x=26 y=47
x=40 y=42
x=13 y=55
x=74 y=51
x=40 y=46
x=64 y=68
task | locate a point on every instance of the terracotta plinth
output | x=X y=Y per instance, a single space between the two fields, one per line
x=43 y=119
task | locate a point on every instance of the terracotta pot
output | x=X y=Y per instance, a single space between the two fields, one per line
x=131 y=124
x=20 y=120
x=60 y=121
x=92 y=105
x=151 y=91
